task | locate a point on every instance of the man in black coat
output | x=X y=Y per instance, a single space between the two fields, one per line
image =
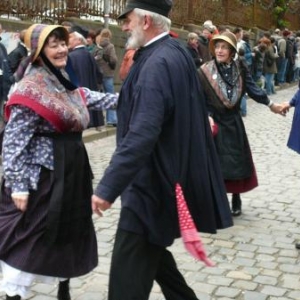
x=16 y=55
x=85 y=67
x=192 y=47
x=164 y=141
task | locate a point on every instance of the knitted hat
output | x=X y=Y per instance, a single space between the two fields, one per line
x=226 y=36
x=36 y=36
x=161 y=7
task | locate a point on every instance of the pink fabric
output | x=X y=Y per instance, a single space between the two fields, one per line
x=189 y=234
x=215 y=129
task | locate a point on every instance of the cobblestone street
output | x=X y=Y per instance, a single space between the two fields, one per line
x=255 y=259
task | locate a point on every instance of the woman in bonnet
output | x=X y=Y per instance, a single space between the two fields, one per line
x=46 y=227
x=225 y=82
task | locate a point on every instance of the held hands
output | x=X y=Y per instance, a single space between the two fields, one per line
x=285 y=106
x=99 y=205
x=21 y=201
x=281 y=109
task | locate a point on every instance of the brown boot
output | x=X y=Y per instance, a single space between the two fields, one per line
x=63 y=292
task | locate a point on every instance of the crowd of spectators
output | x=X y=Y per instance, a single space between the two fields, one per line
x=273 y=57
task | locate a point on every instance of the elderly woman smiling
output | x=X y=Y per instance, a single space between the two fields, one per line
x=225 y=81
x=46 y=227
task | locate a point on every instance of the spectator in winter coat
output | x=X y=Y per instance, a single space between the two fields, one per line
x=5 y=75
x=290 y=55
x=282 y=61
x=85 y=68
x=192 y=46
x=248 y=51
x=203 y=44
x=126 y=63
x=258 y=59
x=16 y=55
x=270 y=66
x=107 y=64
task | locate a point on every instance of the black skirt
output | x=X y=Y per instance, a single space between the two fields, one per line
x=35 y=241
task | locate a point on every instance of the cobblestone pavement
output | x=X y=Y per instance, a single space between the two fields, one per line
x=255 y=259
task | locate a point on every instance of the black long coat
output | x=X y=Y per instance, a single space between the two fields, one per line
x=88 y=75
x=16 y=55
x=86 y=68
x=163 y=137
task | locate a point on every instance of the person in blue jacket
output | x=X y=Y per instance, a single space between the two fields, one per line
x=294 y=137
x=163 y=139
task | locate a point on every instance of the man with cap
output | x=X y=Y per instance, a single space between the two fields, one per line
x=164 y=141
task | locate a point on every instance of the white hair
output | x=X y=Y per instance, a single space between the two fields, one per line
x=192 y=35
x=161 y=22
x=80 y=37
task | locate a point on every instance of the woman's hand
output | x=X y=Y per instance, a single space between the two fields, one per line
x=279 y=109
x=285 y=107
x=20 y=200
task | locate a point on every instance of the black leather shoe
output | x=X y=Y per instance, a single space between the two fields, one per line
x=236 y=212
x=297 y=245
x=63 y=292
x=17 y=297
x=236 y=208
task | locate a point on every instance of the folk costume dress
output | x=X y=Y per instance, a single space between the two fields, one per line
x=43 y=154
x=225 y=86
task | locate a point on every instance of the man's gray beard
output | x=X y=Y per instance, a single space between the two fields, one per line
x=135 y=41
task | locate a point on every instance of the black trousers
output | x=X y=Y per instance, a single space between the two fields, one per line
x=136 y=264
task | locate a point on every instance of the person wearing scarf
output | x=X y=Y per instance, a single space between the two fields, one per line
x=225 y=82
x=46 y=223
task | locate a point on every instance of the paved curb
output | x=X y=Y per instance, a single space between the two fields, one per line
x=92 y=134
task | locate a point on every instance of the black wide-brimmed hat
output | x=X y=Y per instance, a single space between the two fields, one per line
x=161 y=7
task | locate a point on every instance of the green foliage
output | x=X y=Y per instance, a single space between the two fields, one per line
x=279 y=10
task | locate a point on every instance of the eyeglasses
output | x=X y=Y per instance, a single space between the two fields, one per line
x=221 y=47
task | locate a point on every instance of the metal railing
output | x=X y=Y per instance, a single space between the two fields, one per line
x=56 y=11
x=244 y=13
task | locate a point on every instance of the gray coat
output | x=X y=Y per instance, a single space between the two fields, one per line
x=108 y=59
x=270 y=55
